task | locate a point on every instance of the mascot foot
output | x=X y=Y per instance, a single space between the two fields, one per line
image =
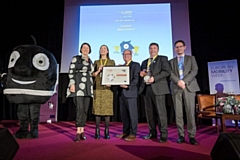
x=32 y=134
x=21 y=134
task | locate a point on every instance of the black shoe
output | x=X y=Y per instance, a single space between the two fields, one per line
x=97 y=133
x=180 y=140
x=77 y=137
x=106 y=134
x=150 y=136
x=162 y=140
x=82 y=136
x=32 y=134
x=21 y=133
x=193 y=141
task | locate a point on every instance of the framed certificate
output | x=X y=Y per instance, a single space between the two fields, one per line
x=116 y=75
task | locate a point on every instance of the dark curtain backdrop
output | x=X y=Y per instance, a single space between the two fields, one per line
x=214 y=32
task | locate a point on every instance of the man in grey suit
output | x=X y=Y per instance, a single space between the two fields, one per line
x=183 y=87
x=154 y=87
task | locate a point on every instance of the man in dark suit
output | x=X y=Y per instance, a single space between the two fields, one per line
x=183 y=87
x=154 y=87
x=128 y=100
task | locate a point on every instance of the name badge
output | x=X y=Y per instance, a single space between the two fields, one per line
x=180 y=72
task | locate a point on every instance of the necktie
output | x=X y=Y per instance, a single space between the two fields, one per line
x=149 y=63
x=180 y=66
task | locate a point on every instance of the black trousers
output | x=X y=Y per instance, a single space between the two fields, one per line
x=82 y=105
x=28 y=113
x=129 y=114
x=155 y=107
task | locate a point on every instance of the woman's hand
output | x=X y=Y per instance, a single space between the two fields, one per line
x=72 y=88
x=98 y=71
x=100 y=68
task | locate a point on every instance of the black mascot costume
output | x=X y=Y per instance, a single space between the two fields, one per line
x=31 y=78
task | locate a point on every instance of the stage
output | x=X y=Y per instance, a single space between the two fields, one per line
x=56 y=141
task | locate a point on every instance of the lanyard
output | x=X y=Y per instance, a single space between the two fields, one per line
x=105 y=62
x=150 y=60
x=128 y=63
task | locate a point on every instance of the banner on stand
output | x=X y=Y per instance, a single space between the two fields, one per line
x=224 y=79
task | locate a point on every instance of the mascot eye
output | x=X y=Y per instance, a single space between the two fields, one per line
x=41 y=61
x=13 y=59
x=126 y=46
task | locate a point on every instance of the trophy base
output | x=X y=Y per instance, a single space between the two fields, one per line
x=146 y=78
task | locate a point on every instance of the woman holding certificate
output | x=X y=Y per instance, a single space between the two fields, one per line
x=81 y=87
x=103 y=96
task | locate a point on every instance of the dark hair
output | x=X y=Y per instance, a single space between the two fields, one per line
x=87 y=45
x=107 y=50
x=180 y=41
x=153 y=44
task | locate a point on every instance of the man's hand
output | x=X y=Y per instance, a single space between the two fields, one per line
x=123 y=86
x=181 y=84
x=151 y=80
x=143 y=73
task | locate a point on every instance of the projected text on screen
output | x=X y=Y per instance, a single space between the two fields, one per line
x=123 y=27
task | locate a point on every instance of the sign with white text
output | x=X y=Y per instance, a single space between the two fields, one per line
x=223 y=77
x=223 y=80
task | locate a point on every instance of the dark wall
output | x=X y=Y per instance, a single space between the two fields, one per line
x=214 y=29
x=22 y=18
x=215 y=34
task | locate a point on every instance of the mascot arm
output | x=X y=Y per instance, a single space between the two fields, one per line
x=3 y=80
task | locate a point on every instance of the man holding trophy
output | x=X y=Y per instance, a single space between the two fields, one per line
x=154 y=87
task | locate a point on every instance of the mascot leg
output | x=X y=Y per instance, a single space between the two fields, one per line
x=34 y=120
x=23 y=117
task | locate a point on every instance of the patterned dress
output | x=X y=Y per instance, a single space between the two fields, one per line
x=80 y=74
x=103 y=96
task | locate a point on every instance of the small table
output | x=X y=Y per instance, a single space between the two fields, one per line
x=223 y=116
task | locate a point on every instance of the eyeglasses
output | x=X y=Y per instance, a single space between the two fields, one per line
x=179 y=46
x=126 y=54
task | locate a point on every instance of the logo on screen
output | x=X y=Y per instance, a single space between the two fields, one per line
x=126 y=45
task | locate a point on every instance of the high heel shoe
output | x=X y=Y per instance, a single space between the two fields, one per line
x=77 y=137
x=82 y=136
x=97 y=133
x=106 y=134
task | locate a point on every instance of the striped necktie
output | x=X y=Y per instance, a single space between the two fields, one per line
x=181 y=66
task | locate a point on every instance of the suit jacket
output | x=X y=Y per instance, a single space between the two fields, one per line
x=189 y=72
x=132 y=90
x=160 y=70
